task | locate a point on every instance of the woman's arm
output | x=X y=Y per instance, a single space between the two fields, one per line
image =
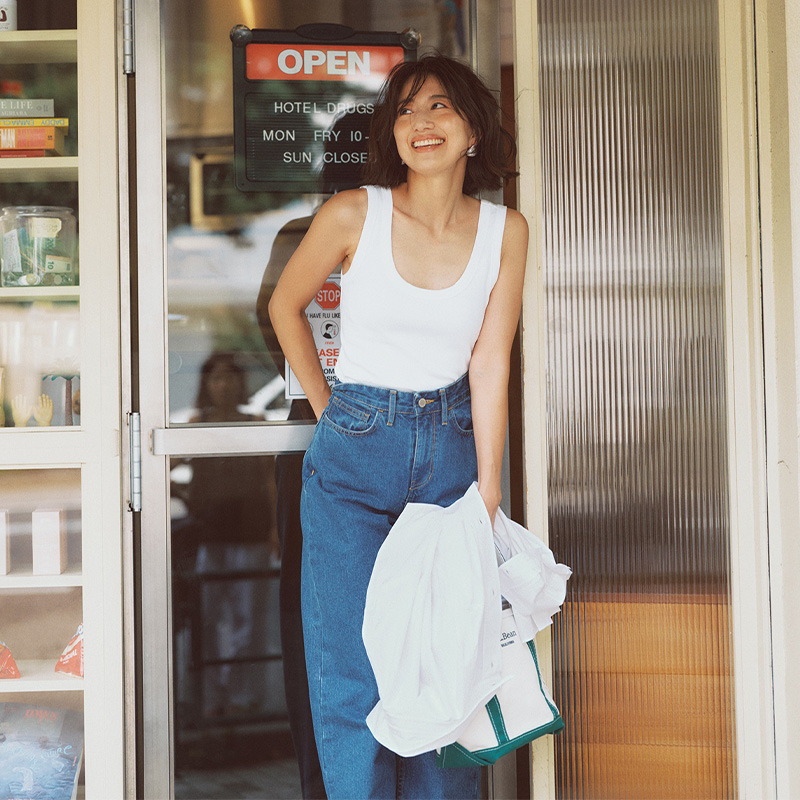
x=331 y=240
x=489 y=365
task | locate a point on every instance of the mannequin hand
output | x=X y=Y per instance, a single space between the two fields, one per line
x=43 y=411
x=20 y=410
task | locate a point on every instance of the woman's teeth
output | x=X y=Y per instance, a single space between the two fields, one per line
x=426 y=142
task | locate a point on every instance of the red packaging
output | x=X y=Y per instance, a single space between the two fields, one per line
x=8 y=667
x=71 y=661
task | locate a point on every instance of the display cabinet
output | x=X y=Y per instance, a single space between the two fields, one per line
x=61 y=419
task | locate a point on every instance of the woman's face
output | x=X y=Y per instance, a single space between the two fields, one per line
x=224 y=386
x=429 y=133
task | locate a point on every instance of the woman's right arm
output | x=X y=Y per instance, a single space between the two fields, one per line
x=331 y=240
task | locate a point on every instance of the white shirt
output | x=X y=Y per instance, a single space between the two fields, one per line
x=433 y=617
x=400 y=336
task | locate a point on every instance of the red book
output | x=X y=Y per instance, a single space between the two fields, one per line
x=22 y=153
x=47 y=138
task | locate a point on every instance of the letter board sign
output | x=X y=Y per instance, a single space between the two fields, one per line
x=302 y=102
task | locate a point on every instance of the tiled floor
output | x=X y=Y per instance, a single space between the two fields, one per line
x=272 y=780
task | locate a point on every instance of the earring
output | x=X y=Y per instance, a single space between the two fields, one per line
x=472 y=150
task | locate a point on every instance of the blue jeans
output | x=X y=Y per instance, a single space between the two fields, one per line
x=373 y=451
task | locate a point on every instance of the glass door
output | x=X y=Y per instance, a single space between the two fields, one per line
x=224 y=427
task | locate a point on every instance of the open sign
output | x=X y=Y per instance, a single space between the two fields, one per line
x=302 y=102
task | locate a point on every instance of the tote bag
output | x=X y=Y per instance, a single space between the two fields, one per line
x=521 y=711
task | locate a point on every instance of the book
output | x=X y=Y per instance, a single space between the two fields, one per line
x=22 y=153
x=32 y=139
x=41 y=750
x=34 y=122
x=12 y=107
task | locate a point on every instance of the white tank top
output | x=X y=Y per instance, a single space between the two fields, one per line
x=400 y=336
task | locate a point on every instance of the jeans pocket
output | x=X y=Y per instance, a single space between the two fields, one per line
x=461 y=417
x=349 y=416
x=308 y=467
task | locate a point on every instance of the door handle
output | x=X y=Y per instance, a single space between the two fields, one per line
x=232 y=440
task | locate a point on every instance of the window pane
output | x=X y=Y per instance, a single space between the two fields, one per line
x=636 y=397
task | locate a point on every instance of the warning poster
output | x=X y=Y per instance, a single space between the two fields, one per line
x=323 y=317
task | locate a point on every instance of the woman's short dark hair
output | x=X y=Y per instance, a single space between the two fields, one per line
x=495 y=147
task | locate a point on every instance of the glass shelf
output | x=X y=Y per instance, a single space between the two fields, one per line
x=40 y=676
x=25 y=579
x=33 y=294
x=61 y=169
x=38 y=47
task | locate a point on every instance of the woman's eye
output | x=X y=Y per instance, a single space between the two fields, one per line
x=438 y=104
x=403 y=111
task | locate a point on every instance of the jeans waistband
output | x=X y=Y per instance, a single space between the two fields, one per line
x=394 y=401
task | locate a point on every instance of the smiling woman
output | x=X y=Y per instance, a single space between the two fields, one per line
x=430 y=297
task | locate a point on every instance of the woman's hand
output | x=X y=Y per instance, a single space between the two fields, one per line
x=491 y=499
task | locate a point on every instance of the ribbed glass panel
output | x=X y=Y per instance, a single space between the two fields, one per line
x=636 y=397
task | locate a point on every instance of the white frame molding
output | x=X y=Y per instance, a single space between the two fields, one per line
x=750 y=568
x=534 y=342
x=777 y=63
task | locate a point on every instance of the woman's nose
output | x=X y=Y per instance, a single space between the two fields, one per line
x=422 y=120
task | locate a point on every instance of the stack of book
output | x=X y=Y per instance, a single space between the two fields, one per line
x=28 y=128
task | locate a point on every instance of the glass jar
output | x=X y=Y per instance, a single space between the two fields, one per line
x=37 y=246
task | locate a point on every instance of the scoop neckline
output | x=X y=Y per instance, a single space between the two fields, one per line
x=466 y=272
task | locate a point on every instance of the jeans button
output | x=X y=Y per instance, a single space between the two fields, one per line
x=422 y=402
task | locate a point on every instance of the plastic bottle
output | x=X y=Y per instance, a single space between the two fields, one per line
x=8 y=15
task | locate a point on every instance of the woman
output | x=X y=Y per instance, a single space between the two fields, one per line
x=431 y=293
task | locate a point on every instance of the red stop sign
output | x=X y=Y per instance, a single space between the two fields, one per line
x=328 y=296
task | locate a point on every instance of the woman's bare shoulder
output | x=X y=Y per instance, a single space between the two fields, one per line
x=516 y=224
x=347 y=209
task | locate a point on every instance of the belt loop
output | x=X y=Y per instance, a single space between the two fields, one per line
x=443 y=399
x=392 y=406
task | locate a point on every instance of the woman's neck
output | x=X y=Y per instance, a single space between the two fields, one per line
x=436 y=199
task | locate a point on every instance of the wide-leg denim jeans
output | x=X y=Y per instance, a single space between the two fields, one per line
x=373 y=451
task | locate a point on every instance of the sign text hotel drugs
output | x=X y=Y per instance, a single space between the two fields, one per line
x=306 y=110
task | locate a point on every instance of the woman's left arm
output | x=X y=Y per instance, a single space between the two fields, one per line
x=490 y=362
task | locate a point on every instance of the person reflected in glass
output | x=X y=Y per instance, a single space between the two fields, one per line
x=431 y=294
x=229 y=528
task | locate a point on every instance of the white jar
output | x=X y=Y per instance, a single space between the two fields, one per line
x=8 y=15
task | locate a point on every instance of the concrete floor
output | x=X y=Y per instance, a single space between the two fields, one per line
x=272 y=780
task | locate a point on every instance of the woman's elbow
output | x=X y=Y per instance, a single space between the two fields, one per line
x=279 y=310
x=487 y=368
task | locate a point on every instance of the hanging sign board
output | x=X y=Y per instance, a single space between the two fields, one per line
x=302 y=102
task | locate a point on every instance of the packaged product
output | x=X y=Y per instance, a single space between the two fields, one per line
x=71 y=661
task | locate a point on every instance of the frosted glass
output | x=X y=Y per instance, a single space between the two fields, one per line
x=636 y=403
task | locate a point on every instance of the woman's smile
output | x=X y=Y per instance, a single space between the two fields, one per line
x=426 y=143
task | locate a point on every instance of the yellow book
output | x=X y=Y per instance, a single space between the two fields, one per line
x=35 y=122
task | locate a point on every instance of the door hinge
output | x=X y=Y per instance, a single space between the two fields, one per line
x=127 y=37
x=135 y=432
